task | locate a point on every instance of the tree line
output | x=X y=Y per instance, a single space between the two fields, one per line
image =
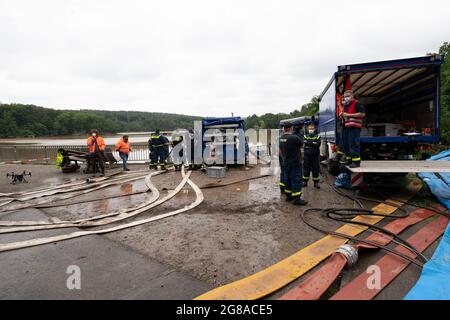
x=26 y=120
x=19 y=120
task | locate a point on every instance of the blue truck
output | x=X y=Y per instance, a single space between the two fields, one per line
x=402 y=102
x=225 y=138
x=299 y=124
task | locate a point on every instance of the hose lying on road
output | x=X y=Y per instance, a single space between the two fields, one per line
x=348 y=214
x=40 y=241
x=71 y=193
x=69 y=184
x=99 y=220
x=155 y=195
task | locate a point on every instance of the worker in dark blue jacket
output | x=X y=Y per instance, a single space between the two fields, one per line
x=290 y=152
x=311 y=160
x=157 y=146
x=282 y=182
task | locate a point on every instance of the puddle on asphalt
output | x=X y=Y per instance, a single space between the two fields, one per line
x=126 y=188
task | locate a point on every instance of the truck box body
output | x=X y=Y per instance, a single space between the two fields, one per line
x=227 y=137
x=401 y=98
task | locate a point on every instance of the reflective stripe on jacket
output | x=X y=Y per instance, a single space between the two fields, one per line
x=353 y=122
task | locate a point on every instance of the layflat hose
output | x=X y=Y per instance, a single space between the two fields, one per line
x=72 y=192
x=347 y=214
x=106 y=219
x=39 y=241
x=355 y=239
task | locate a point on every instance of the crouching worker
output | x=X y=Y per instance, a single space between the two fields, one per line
x=312 y=156
x=124 y=148
x=290 y=152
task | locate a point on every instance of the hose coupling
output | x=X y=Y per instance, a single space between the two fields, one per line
x=350 y=253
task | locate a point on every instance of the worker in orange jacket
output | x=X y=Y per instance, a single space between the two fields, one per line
x=97 y=147
x=124 y=148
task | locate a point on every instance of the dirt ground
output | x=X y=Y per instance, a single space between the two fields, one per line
x=238 y=229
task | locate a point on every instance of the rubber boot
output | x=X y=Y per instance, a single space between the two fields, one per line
x=347 y=162
x=355 y=164
x=299 y=202
x=316 y=185
x=163 y=167
x=281 y=189
x=289 y=197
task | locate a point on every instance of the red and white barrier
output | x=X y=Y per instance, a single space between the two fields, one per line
x=357 y=179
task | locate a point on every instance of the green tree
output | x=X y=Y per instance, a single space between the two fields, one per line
x=445 y=92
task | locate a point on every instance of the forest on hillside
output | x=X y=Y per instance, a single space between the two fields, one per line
x=19 y=120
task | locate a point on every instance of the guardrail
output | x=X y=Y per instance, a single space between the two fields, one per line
x=47 y=154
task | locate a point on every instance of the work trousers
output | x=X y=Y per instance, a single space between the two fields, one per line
x=293 y=178
x=158 y=155
x=96 y=158
x=124 y=157
x=339 y=140
x=352 y=148
x=282 y=175
x=311 y=164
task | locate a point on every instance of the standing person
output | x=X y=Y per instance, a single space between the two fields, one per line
x=354 y=114
x=97 y=147
x=339 y=128
x=290 y=151
x=177 y=152
x=124 y=148
x=311 y=161
x=156 y=145
x=282 y=182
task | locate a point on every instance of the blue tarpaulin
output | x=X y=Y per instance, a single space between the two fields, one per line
x=434 y=282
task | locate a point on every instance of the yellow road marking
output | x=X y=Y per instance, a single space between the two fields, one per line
x=282 y=273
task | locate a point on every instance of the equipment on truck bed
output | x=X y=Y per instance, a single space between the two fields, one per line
x=402 y=108
x=18 y=177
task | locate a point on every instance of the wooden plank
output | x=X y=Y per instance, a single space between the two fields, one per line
x=401 y=166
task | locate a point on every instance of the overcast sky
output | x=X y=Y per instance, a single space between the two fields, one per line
x=194 y=57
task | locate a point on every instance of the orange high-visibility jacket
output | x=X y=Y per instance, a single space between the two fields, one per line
x=123 y=146
x=100 y=142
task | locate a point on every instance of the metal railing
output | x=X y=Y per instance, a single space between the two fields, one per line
x=139 y=152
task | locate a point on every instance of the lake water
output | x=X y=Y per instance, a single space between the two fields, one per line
x=140 y=137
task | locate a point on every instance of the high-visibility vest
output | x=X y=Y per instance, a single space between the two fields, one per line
x=351 y=121
x=123 y=146
x=59 y=160
x=100 y=143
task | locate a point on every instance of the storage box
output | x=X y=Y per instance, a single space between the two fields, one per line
x=216 y=172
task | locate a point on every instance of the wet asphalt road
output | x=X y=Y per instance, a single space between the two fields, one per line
x=237 y=231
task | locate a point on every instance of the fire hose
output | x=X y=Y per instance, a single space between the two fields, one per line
x=46 y=240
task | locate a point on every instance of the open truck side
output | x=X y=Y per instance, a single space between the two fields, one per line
x=402 y=104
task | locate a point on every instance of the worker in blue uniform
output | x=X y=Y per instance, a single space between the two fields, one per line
x=290 y=152
x=354 y=115
x=282 y=182
x=157 y=146
x=311 y=159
